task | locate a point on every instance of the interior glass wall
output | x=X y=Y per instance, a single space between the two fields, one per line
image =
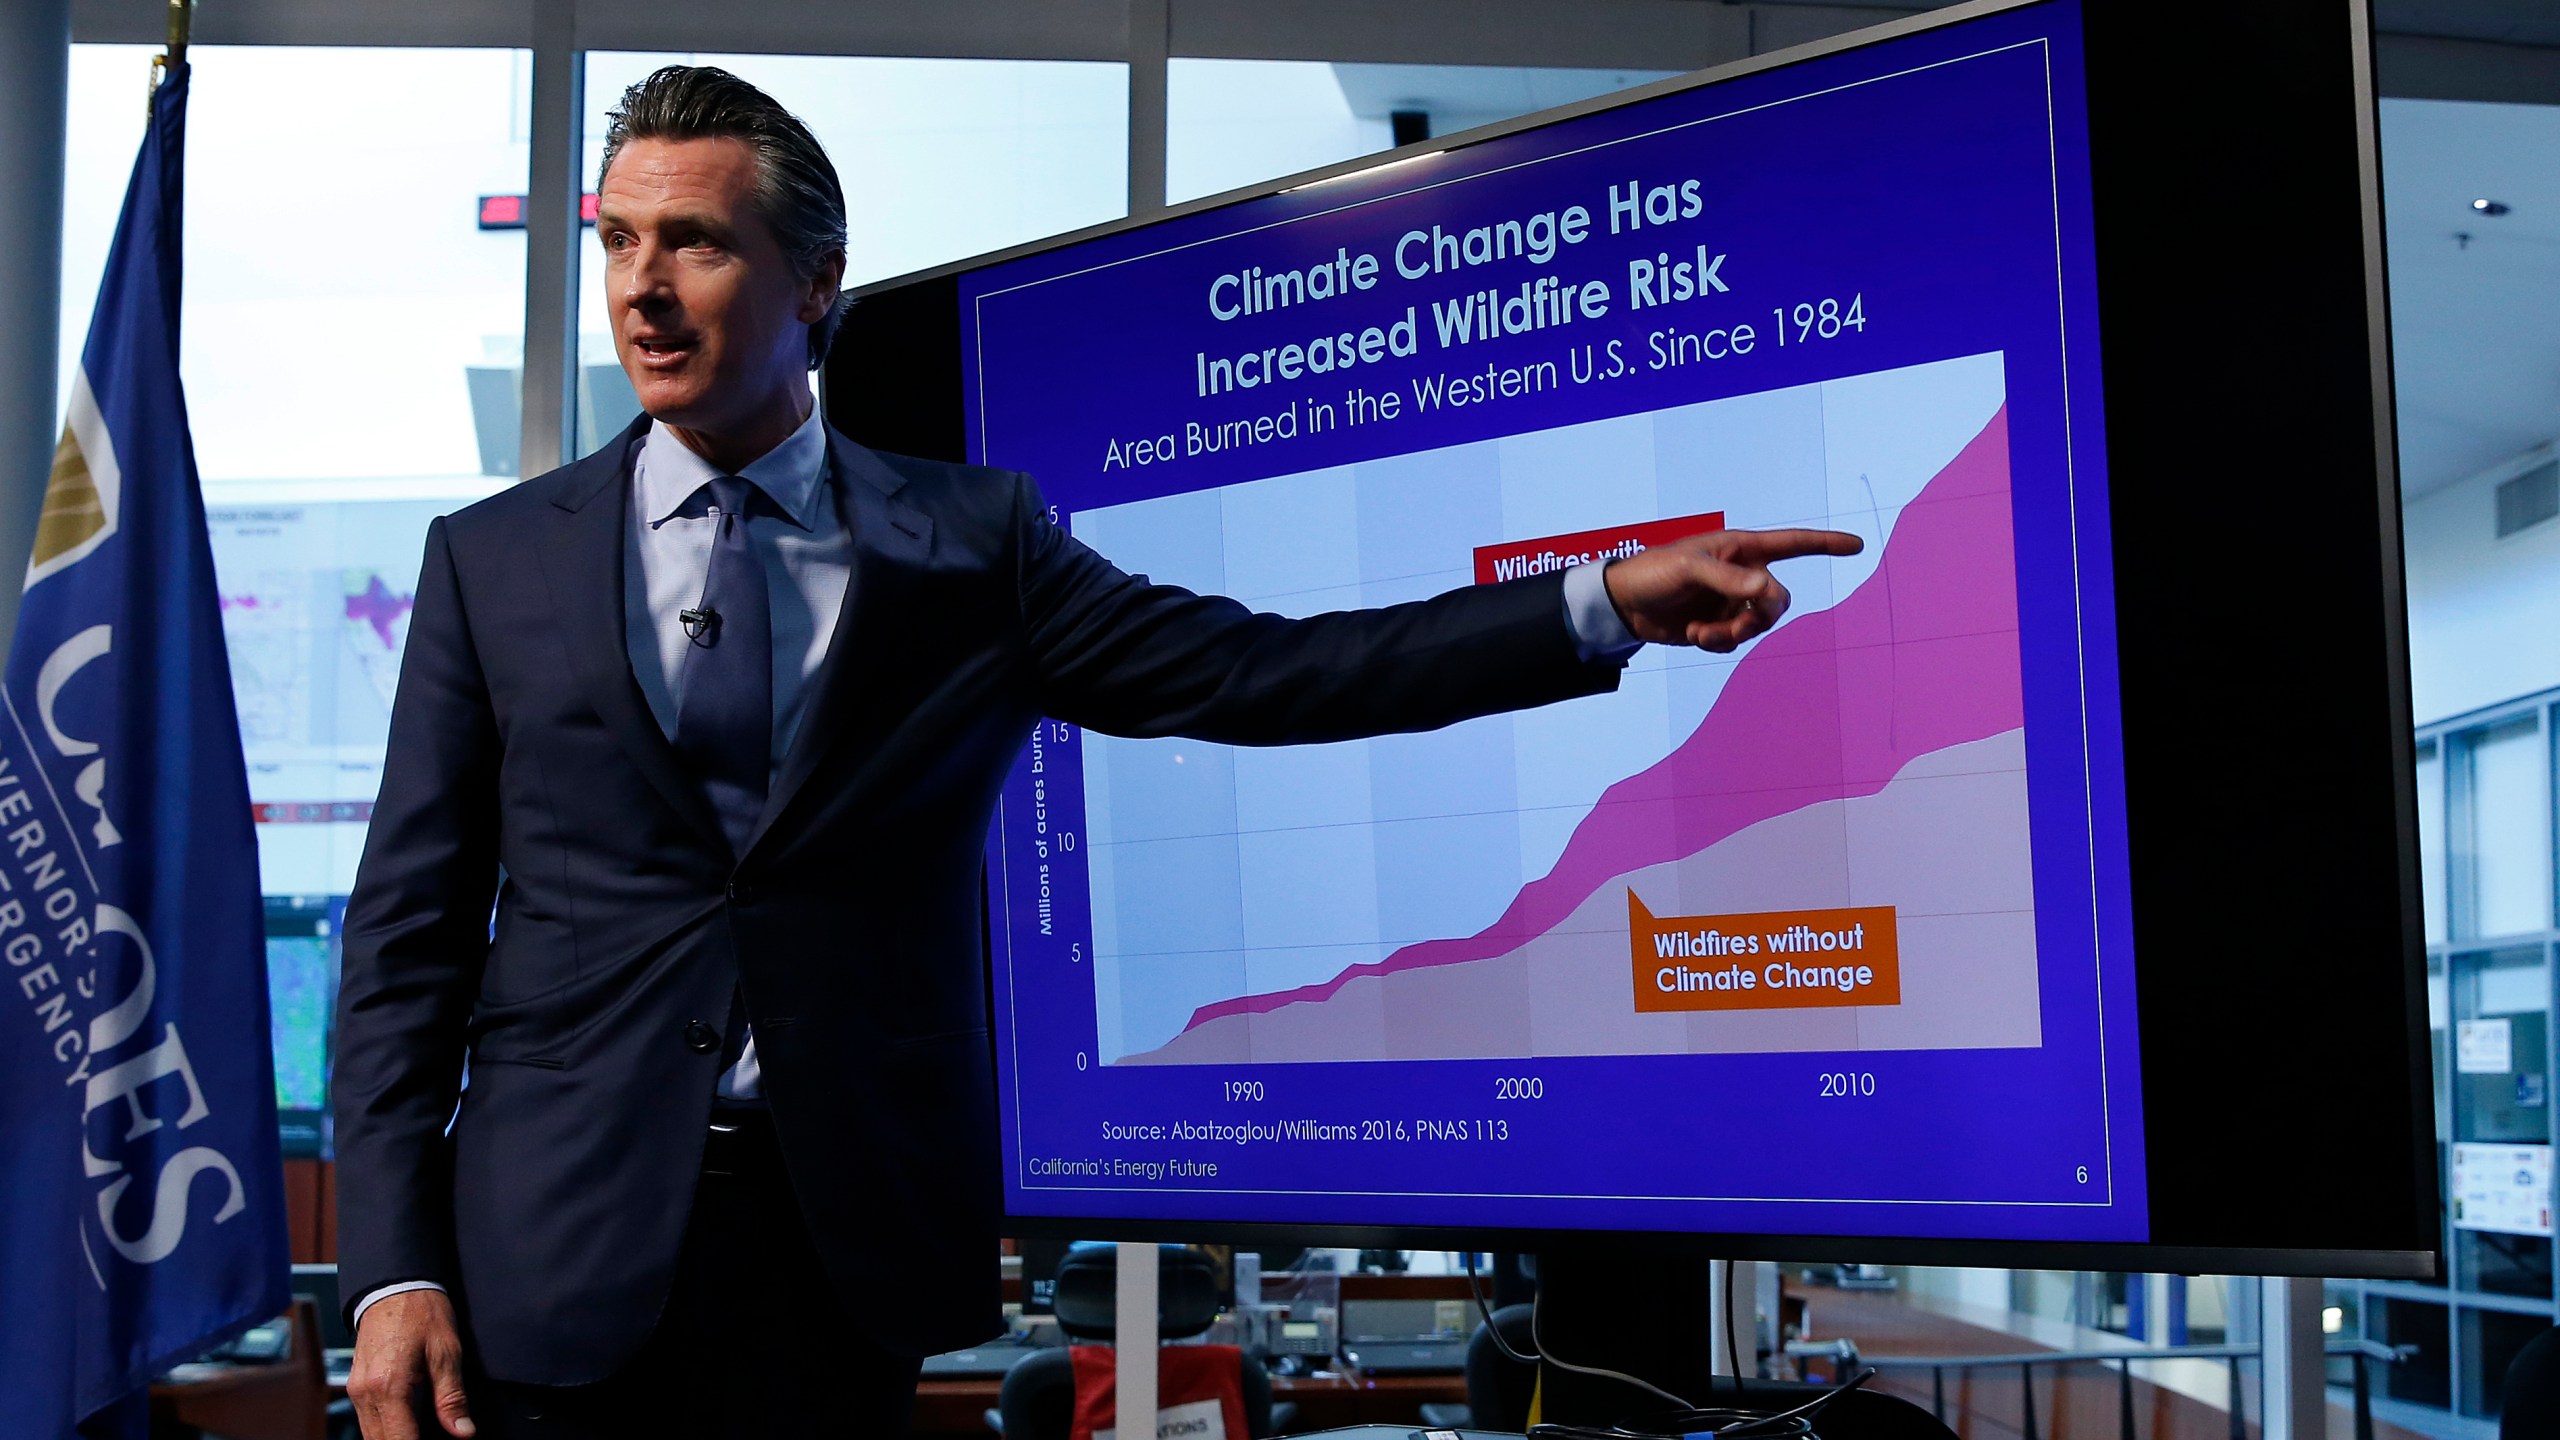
x=2485 y=797
x=2501 y=878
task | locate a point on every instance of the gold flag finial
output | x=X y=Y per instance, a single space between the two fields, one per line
x=181 y=13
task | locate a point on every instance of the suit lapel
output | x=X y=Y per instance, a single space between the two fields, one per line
x=582 y=566
x=892 y=540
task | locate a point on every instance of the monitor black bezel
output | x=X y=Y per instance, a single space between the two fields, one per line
x=906 y=396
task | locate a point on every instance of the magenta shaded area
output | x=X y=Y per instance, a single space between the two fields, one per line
x=379 y=606
x=1922 y=656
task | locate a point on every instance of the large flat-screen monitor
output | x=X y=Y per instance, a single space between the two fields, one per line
x=2040 y=891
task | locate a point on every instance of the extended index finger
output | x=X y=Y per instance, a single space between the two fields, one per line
x=1762 y=547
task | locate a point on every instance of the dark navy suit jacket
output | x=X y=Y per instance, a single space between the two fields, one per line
x=526 y=773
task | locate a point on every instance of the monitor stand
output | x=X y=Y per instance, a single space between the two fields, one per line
x=1644 y=1313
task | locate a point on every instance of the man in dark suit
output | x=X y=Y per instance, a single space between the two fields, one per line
x=712 y=721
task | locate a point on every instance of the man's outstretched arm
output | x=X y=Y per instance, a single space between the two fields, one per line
x=1130 y=657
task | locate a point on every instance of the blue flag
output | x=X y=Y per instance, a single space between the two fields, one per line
x=141 y=1185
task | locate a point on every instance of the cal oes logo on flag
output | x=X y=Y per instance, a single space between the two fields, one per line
x=80 y=497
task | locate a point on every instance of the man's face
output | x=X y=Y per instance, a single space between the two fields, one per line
x=708 y=319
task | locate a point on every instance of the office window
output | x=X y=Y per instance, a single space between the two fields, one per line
x=2501 y=828
x=1239 y=122
x=940 y=160
x=339 y=290
x=1230 y=123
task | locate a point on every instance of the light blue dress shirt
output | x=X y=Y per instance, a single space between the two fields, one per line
x=808 y=560
x=1598 y=633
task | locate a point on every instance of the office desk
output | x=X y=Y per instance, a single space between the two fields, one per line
x=1328 y=1402
x=959 y=1407
x=285 y=1400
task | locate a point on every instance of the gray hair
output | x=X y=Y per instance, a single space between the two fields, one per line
x=796 y=190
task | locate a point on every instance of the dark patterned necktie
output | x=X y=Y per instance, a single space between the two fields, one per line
x=724 y=727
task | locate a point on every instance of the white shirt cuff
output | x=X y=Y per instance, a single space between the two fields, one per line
x=1598 y=633
x=393 y=1289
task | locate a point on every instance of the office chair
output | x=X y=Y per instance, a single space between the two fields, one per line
x=1498 y=1387
x=1282 y=1259
x=2533 y=1390
x=1038 y=1398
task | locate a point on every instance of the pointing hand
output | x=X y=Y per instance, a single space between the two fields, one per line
x=1713 y=591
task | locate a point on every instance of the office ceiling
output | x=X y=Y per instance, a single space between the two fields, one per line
x=2506 y=22
x=2475 y=323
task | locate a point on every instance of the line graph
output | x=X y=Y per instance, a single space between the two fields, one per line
x=1383 y=899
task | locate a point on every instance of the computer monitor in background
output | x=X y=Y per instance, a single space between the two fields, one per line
x=1967 y=917
x=302 y=1006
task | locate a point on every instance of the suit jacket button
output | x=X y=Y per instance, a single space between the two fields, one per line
x=700 y=1038
x=742 y=890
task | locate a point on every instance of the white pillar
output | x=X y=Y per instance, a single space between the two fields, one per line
x=552 y=230
x=1134 y=1340
x=1768 y=1297
x=35 y=87
x=1150 y=42
x=2293 y=1384
x=2155 y=1308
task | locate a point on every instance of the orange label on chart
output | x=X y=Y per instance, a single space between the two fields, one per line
x=1766 y=960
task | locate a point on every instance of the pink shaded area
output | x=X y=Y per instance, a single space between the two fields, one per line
x=1922 y=656
x=379 y=606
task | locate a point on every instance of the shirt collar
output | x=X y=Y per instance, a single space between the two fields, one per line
x=790 y=474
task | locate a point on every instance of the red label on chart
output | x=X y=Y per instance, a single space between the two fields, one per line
x=1515 y=558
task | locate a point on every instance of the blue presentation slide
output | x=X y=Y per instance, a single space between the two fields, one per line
x=1829 y=935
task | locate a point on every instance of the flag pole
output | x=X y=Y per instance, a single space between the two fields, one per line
x=182 y=14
